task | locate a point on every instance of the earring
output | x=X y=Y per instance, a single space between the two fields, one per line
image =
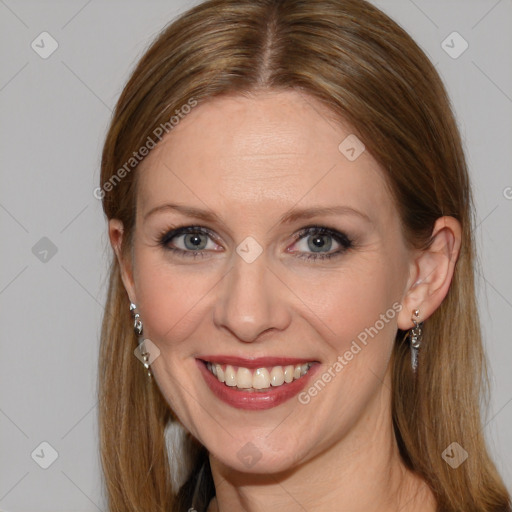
x=138 y=328
x=415 y=338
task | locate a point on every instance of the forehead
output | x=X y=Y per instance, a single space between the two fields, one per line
x=262 y=153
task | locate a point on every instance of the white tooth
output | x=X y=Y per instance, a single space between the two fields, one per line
x=304 y=369
x=296 y=372
x=243 y=378
x=213 y=368
x=220 y=372
x=230 y=376
x=261 y=379
x=288 y=373
x=277 y=376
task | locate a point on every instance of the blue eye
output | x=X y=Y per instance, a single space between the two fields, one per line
x=315 y=242
x=319 y=241
x=190 y=241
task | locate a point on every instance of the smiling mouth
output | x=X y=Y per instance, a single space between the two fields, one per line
x=259 y=379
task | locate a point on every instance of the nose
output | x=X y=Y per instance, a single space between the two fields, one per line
x=253 y=300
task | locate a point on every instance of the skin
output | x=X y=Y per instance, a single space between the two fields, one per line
x=252 y=159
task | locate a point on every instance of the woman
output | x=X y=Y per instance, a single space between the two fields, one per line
x=289 y=208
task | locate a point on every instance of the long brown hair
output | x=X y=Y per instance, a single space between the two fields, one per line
x=372 y=75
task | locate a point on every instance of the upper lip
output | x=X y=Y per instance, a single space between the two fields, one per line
x=257 y=362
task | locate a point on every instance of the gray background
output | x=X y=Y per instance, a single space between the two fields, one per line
x=54 y=116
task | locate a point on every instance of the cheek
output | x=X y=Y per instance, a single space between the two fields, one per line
x=172 y=297
x=351 y=301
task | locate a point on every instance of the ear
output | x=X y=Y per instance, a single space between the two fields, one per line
x=431 y=272
x=115 y=233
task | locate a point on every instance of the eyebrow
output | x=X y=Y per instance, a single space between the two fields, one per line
x=316 y=211
x=189 y=211
x=289 y=217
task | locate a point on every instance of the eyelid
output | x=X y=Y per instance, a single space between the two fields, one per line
x=167 y=235
x=341 y=238
x=345 y=243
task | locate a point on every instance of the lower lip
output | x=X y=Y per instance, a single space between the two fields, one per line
x=254 y=400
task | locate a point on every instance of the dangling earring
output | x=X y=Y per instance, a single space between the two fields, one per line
x=141 y=352
x=415 y=338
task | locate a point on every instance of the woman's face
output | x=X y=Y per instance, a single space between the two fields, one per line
x=294 y=254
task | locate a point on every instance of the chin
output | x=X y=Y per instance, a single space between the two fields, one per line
x=250 y=460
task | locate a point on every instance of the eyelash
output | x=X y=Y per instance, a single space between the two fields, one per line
x=166 y=236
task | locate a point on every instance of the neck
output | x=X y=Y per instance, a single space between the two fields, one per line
x=363 y=472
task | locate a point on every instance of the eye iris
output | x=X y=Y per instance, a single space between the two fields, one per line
x=317 y=242
x=193 y=241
